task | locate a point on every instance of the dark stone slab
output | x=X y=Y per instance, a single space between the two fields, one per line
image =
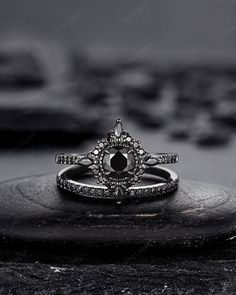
x=34 y=211
x=50 y=242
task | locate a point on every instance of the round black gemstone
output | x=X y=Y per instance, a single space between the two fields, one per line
x=119 y=161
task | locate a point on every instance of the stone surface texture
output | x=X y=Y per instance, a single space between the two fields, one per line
x=34 y=209
x=178 y=277
x=54 y=244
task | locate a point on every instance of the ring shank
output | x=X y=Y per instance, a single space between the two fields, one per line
x=73 y=159
x=66 y=182
x=82 y=159
x=161 y=158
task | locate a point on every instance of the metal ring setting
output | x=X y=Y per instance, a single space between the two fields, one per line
x=117 y=162
x=66 y=182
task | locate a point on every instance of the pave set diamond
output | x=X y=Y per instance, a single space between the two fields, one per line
x=89 y=191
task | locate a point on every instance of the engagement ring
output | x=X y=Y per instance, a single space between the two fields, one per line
x=118 y=162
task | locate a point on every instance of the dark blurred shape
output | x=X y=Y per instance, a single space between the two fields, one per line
x=135 y=79
x=37 y=101
x=208 y=133
x=179 y=129
x=54 y=95
x=141 y=88
x=20 y=69
x=225 y=110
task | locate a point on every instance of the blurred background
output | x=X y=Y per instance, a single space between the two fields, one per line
x=68 y=69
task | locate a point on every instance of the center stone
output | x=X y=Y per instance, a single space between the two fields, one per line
x=119 y=161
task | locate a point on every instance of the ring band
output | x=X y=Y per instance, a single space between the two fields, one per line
x=66 y=182
x=152 y=160
x=118 y=162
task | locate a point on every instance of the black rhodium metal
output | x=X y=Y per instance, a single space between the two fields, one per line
x=118 y=161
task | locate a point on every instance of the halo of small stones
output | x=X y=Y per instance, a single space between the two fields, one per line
x=104 y=193
x=97 y=154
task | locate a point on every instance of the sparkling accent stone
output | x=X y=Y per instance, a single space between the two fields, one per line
x=84 y=161
x=119 y=161
x=119 y=193
x=141 y=152
x=132 y=193
x=118 y=129
x=100 y=192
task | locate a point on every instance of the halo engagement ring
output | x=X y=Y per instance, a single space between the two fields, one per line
x=118 y=162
